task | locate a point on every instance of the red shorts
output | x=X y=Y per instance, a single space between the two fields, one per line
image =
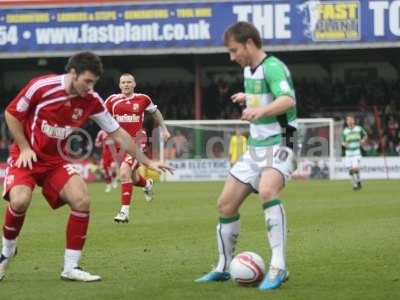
x=51 y=178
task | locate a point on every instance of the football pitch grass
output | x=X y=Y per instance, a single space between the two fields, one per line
x=341 y=245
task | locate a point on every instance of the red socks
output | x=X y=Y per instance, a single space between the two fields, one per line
x=126 y=192
x=76 y=229
x=13 y=222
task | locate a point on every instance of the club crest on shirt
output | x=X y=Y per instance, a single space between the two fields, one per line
x=257 y=87
x=135 y=106
x=78 y=113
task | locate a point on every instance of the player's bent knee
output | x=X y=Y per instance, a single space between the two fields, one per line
x=267 y=194
x=20 y=200
x=226 y=209
x=125 y=176
x=81 y=203
x=20 y=205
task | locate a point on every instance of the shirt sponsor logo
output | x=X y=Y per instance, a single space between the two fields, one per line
x=56 y=132
x=127 y=118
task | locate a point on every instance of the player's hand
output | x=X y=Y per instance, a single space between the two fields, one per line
x=165 y=134
x=160 y=167
x=26 y=158
x=239 y=98
x=250 y=114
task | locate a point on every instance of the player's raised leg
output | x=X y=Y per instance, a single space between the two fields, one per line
x=75 y=193
x=148 y=190
x=271 y=182
x=20 y=198
x=228 y=228
x=146 y=184
x=126 y=193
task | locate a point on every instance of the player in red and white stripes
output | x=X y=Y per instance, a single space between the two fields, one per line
x=128 y=109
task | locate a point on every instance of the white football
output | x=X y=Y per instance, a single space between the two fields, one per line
x=247 y=268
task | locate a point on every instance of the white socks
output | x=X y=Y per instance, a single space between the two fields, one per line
x=275 y=221
x=148 y=184
x=8 y=248
x=227 y=234
x=355 y=178
x=71 y=259
x=125 y=209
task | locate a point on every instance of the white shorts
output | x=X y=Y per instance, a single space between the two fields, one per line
x=352 y=162
x=249 y=167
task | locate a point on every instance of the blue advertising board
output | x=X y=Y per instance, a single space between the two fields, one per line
x=196 y=27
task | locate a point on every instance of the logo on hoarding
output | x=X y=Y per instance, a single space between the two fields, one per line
x=331 y=21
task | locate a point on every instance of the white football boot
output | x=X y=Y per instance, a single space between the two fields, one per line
x=4 y=261
x=148 y=190
x=121 y=217
x=77 y=274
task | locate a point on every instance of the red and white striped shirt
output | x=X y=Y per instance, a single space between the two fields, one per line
x=129 y=111
x=49 y=115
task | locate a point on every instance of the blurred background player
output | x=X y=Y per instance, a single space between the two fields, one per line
x=237 y=146
x=269 y=161
x=41 y=118
x=108 y=164
x=128 y=109
x=353 y=136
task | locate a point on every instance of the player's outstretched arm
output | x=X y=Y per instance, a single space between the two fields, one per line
x=157 y=115
x=26 y=156
x=127 y=143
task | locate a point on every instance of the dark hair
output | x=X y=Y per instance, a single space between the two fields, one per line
x=241 y=32
x=85 y=61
